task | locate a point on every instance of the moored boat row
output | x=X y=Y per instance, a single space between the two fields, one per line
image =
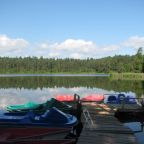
x=114 y=98
x=55 y=119
x=51 y=122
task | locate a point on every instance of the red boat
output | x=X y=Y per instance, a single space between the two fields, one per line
x=93 y=98
x=66 y=98
x=18 y=134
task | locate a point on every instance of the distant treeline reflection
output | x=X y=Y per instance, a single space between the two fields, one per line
x=68 y=82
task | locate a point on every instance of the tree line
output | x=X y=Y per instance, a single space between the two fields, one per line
x=118 y=63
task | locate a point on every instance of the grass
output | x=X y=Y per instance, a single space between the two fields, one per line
x=127 y=76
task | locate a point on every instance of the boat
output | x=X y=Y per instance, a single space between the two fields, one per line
x=65 y=98
x=68 y=98
x=74 y=101
x=30 y=133
x=60 y=141
x=73 y=108
x=93 y=98
x=111 y=99
x=23 y=107
x=51 y=118
x=119 y=98
x=39 y=108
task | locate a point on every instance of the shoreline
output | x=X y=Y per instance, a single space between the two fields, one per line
x=112 y=76
x=54 y=75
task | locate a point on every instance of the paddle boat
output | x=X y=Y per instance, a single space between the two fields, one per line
x=61 y=141
x=112 y=99
x=68 y=98
x=52 y=141
x=65 y=98
x=13 y=134
x=93 y=98
x=73 y=108
x=51 y=118
x=23 y=107
x=39 y=108
x=119 y=98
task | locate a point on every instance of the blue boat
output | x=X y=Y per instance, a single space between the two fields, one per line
x=73 y=108
x=51 y=118
x=120 y=98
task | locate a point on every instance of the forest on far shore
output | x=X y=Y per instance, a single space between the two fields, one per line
x=118 y=63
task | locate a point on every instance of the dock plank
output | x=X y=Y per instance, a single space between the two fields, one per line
x=105 y=129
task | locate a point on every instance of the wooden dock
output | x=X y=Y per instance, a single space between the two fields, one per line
x=100 y=126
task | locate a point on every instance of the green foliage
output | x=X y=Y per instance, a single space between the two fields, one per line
x=140 y=51
x=127 y=76
x=118 y=63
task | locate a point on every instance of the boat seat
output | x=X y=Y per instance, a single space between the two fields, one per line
x=112 y=98
x=121 y=97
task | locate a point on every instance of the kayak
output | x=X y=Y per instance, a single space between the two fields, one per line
x=51 y=118
x=93 y=98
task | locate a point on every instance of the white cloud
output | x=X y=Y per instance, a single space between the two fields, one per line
x=111 y=48
x=76 y=45
x=75 y=48
x=11 y=45
x=44 y=46
x=76 y=55
x=53 y=54
x=134 y=42
x=69 y=48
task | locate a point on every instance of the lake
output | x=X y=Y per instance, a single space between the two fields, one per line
x=18 y=89
x=138 y=129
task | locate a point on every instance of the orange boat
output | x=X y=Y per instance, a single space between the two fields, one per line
x=93 y=98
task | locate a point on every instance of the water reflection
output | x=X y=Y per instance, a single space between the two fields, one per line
x=68 y=82
x=12 y=96
x=18 y=90
x=137 y=128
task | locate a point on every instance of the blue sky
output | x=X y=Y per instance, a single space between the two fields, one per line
x=71 y=28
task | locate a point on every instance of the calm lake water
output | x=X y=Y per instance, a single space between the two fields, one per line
x=18 y=89
x=138 y=129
